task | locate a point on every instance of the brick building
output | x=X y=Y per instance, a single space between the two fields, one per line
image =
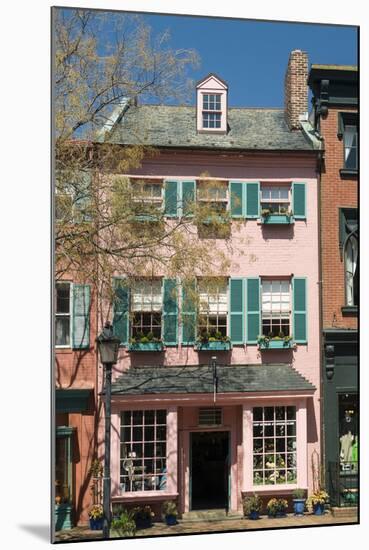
x=223 y=398
x=335 y=118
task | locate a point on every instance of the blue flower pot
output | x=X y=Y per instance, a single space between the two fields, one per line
x=96 y=524
x=143 y=523
x=171 y=520
x=299 y=506
x=254 y=514
x=318 y=509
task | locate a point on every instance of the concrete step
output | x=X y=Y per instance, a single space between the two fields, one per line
x=344 y=511
x=209 y=515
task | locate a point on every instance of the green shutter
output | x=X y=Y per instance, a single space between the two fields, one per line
x=299 y=310
x=189 y=312
x=121 y=310
x=170 y=312
x=171 y=199
x=253 y=309
x=236 y=191
x=188 y=197
x=299 y=200
x=82 y=200
x=236 y=310
x=81 y=317
x=253 y=200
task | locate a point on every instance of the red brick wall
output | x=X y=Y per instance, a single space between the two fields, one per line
x=78 y=370
x=336 y=192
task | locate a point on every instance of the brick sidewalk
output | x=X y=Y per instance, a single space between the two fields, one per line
x=186 y=527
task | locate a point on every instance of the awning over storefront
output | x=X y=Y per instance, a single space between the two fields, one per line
x=71 y=400
x=200 y=379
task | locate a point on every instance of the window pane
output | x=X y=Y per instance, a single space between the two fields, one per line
x=62 y=331
x=283 y=194
x=62 y=298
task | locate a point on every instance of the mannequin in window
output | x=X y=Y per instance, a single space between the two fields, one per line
x=346 y=441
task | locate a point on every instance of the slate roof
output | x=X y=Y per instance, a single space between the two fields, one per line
x=199 y=379
x=175 y=126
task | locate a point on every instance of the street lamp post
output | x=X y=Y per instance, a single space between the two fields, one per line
x=108 y=346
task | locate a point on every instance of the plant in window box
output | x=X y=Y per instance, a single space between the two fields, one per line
x=252 y=506
x=124 y=524
x=170 y=512
x=143 y=516
x=145 y=343
x=96 y=516
x=265 y=212
x=299 y=499
x=213 y=340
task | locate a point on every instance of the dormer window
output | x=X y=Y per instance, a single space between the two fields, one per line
x=211 y=114
x=212 y=105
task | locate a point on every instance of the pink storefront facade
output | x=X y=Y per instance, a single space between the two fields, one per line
x=273 y=252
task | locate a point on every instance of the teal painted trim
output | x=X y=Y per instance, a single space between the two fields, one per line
x=146 y=346
x=237 y=199
x=170 y=314
x=299 y=312
x=299 y=200
x=213 y=346
x=81 y=317
x=146 y=218
x=252 y=193
x=67 y=401
x=253 y=309
x=189 y=318
x=171 y=198
x=235 y=310
x=275 y=219
x=120 y=311
x=63 y=517
x=65 y=431
x=187 y=192
x=276 y=344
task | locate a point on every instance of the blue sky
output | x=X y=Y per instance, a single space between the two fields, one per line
x=252 y=55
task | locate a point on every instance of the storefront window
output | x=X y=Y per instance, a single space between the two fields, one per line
x=143 y=461
x=348 y=432
x=274 y=445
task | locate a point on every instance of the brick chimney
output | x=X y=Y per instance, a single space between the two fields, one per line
x=295 y=88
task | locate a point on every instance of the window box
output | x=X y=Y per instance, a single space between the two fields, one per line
x=277 y=219
x=146 y=346
x=214 y=345
x=276 y=343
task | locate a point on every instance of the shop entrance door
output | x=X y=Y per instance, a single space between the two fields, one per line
x=209 y=475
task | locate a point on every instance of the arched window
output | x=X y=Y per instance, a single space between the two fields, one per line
x=351 y=270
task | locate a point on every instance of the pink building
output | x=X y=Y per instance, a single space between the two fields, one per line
x=222 y=399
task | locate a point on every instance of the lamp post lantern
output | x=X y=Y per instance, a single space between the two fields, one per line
x=108 y=346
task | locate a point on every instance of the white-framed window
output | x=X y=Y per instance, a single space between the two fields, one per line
x=350 y=145
x=351 y=270
x=276 y=308
x=143 y=450
x=211 y=111
x=213 y=194
x=276 y=198
x=274 y=445
x=63 y=314
x=148 y=192
x=146 y=308
x=213 y=308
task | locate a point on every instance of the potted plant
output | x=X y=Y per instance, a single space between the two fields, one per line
x=252 y=506
x=143 y=516
x=299 y=500
x=96 y=515
x=170 y=512
x=318 y=501
x=124 y=524
x=277 y=507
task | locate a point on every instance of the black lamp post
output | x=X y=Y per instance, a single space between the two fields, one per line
x=108 y=346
